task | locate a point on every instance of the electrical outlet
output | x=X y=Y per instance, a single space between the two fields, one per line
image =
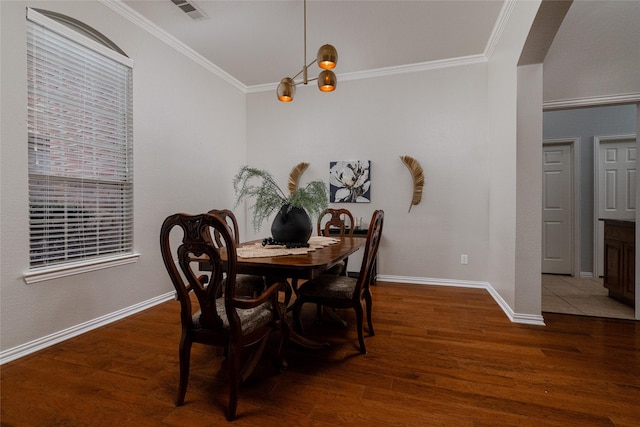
x=464 y=259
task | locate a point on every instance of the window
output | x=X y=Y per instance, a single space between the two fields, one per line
x=79 y=143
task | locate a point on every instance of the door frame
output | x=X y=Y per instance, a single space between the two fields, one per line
x=574 y=145
x=597 y=240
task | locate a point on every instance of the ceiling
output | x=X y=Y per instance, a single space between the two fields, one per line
x=260 y=42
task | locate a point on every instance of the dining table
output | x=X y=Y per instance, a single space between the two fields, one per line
x=299 y=266
x=289 y=269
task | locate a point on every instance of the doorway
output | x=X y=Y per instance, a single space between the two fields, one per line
x=615 y=188
x=560 y=195
x=585 y=127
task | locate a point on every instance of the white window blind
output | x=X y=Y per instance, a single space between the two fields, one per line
x=80 y=146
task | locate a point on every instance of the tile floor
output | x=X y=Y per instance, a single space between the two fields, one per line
x=586 y=297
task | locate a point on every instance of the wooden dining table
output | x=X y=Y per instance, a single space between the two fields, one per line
x=293 y=268
x=305 y=266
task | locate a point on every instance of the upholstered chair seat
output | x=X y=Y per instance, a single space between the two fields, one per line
x=250 y=318
x=326 y=286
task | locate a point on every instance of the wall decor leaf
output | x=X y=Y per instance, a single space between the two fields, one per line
x=294 y=176
x=418 y=178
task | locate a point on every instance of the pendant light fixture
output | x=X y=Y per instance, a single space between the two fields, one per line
x=327 y=58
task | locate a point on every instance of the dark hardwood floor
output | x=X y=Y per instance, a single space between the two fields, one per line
x=441 y=356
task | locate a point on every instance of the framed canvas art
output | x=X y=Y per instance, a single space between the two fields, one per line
x=350 y=181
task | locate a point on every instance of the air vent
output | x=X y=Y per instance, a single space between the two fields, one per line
x=193 y=11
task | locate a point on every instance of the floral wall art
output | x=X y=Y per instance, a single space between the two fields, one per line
x=350 y=181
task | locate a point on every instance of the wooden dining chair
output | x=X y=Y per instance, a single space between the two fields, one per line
x=215 y=315
x=246 y=284
x=342 y=292
x=340 y=223
x=336 y=222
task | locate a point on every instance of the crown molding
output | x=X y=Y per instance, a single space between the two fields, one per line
x=137 y=19
x=595 y=101
x=392 y=71
x=498 y=29
x=412 y=68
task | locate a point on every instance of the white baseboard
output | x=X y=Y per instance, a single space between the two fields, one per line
x=529 y=319
x=586 y=274
x=49 y=340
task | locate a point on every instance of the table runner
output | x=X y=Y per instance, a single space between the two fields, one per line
x=257 y=250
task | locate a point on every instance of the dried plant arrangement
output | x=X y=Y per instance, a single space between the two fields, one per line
x=269 y=198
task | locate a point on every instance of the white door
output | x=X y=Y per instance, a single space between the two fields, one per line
x=557 y=209
x=615 y=198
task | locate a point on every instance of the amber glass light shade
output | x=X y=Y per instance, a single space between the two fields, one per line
x=327 y=81
x=327 y=57
x=286 y=90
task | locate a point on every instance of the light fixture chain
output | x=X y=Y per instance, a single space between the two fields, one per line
x=304 y=62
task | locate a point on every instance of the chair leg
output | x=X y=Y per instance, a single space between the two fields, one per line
x=369 y=301
x=253 y=359
x=184 y=357
x=233 y=364
x=359 y=321
x=297 y=306
x=286 y=334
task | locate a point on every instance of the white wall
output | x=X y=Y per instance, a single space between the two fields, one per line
x=189 y=139
x=595 y=54
x=528 y=292
x=438 y=117
x=504 y=163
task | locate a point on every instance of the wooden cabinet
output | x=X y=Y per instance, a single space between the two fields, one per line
x=620 y=259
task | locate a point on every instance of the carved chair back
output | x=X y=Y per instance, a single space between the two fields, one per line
x=370 y=253
x=337 y=219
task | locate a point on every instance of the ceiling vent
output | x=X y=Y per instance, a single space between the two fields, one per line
x=193 y=11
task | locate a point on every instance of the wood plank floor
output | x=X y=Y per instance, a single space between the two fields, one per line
x=441 y=356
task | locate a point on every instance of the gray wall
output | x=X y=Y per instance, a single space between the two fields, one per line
x=585 y=123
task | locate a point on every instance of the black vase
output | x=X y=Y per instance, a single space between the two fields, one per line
x=291 y=225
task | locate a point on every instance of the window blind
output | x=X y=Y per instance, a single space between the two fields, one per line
x=80 y=147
